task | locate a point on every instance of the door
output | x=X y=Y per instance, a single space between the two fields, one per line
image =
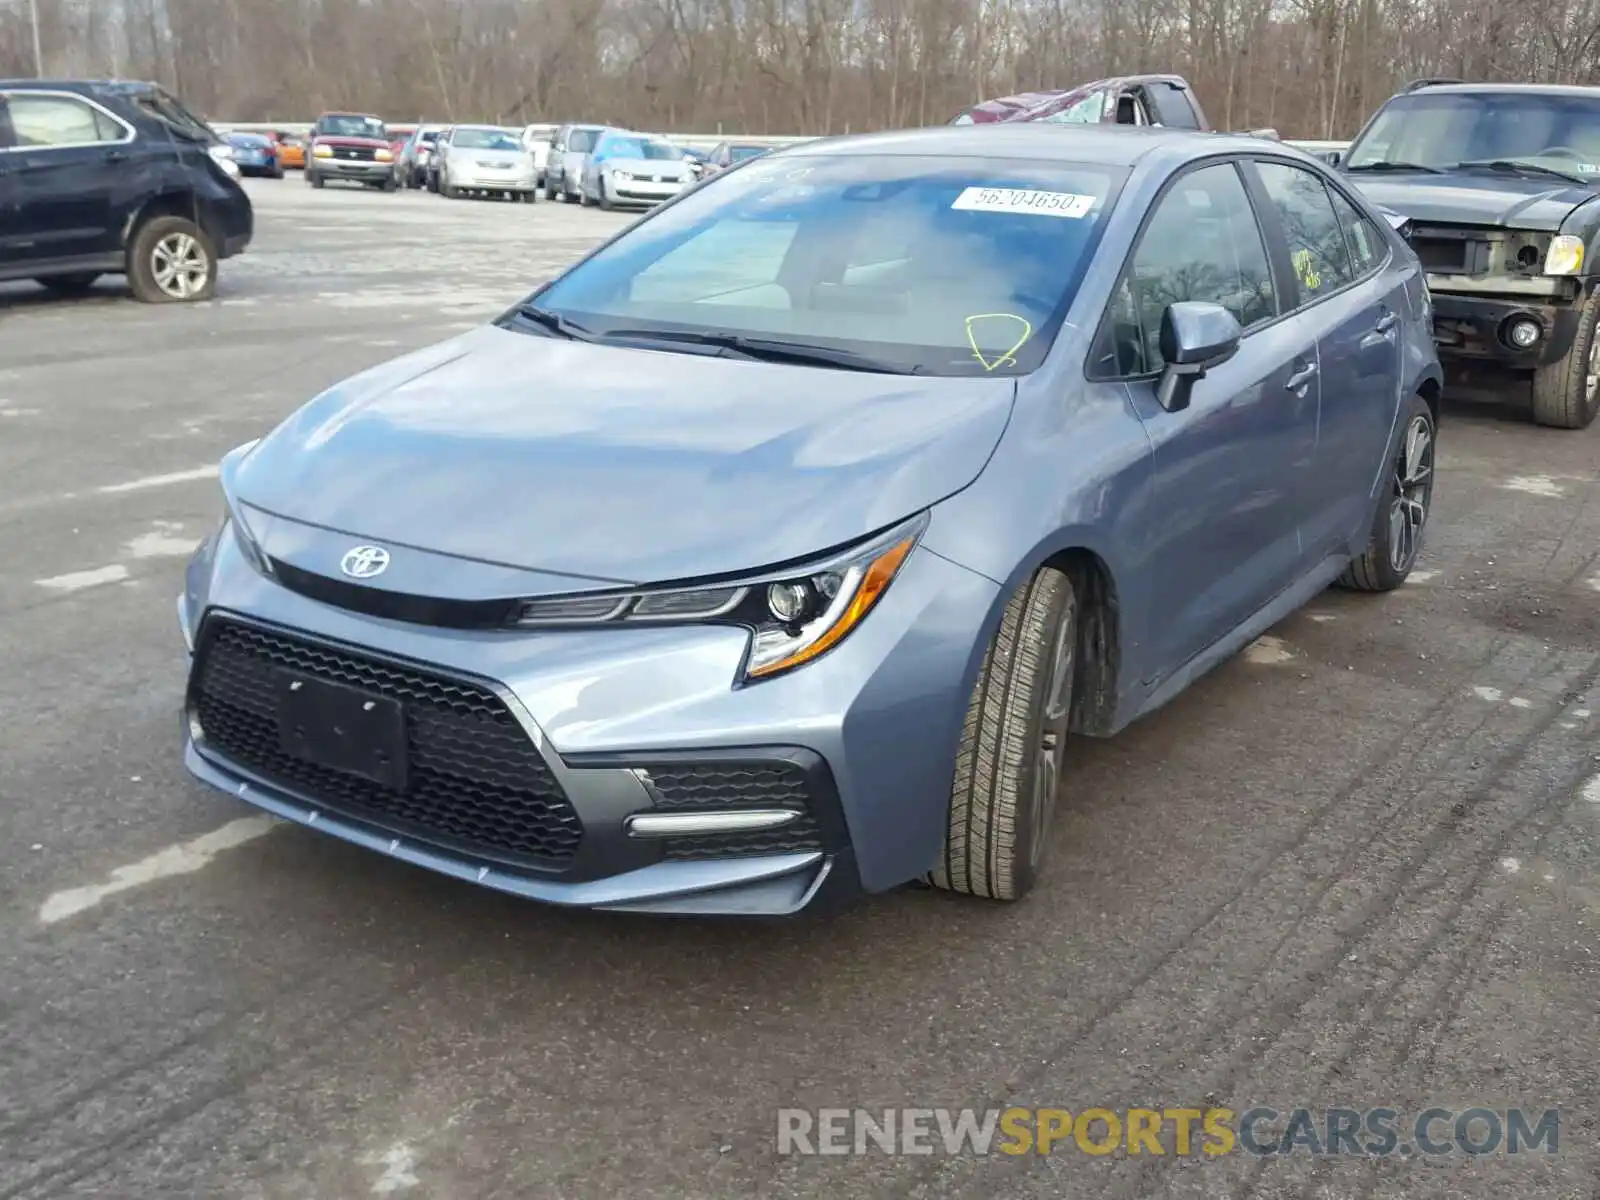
x=1230 y=470
x=63 y=171
x=1354 y=306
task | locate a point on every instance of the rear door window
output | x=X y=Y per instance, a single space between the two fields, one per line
x=1311 y=226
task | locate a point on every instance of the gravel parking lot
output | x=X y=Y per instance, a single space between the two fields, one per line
x=1358 y=865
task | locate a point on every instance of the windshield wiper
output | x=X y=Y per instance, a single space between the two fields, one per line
x=1511 y=164
x=1387 y=165
x=768 y=350
x=555 y=323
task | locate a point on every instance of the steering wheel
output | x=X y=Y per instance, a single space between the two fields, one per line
x=1566 y=152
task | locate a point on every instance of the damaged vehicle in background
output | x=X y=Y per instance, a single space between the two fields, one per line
x=1501 y=184
x=1164 y=100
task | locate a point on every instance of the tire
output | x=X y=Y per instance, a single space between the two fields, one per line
x=166 y=249
x=1401 y=521
x=605 y=199
x=531 y=196
x=277 y=170
x=77 y=284
x=550 y=192
x=1566 y=394
x=1013 y=744
x=391 y=184
x=314 y=179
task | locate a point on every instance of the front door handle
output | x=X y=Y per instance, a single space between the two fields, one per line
x=1300 y=378
x=116 y=156
x=1385 y=323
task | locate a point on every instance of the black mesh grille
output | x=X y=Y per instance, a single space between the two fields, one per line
x=355 y=153
x=732 y=784
x=476 y=781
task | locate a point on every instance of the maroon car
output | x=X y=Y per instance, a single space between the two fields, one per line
x=991 y=111
x=353 y=146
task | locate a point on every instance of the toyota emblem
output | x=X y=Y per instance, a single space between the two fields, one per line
x=364 y=562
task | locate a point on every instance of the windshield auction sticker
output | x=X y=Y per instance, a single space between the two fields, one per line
x=1010 y=200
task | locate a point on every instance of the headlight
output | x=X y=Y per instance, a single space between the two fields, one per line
x=384 y=156
x=621 y=176
x=1565 y=256
x=793 y=618
x=221 y=153
x=322 y=151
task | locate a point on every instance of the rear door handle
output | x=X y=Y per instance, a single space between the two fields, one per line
x=1300 y=378
x=1385 y=323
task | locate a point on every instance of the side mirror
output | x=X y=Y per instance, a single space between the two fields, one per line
x=1195 y=336
x=1333 y=157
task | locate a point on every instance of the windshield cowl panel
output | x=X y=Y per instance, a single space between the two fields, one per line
x=908 y=265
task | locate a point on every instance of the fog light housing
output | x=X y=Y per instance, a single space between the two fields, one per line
x=1523 y=332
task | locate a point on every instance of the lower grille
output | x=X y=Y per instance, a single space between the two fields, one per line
x=733 y=784
x=476 y=782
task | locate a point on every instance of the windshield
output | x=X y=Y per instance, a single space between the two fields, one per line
x=344 y=126
x=485 y=139
x=166 y=108
x=1449 y=128
x=740 y=153
x=925 y=264
x=637 y=147
x=1087 y=111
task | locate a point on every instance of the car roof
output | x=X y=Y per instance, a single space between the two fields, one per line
x=496 y=128
x=1505 y=89
x=1098 y=145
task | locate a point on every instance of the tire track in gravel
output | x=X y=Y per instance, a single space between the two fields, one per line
x=183 y=1079
x=1321 y=1009
x=1329 y=851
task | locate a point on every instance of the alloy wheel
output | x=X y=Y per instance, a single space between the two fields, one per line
x=1413 y=488
x=180 y=265
x=1052 y=748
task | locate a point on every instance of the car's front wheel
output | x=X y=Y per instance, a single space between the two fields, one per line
x=605 y=197
x=171 y=261
x=1013 y=745
x=1566 y=394
x=1402 y=516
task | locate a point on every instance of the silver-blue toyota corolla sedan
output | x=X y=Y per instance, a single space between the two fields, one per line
x=772 y=552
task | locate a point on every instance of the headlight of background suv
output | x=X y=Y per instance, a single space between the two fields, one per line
x=1565 y=256
x=794 y=618
x=322 y=151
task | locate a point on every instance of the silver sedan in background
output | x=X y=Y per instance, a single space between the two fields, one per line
x=487 y=158
x=633 y=169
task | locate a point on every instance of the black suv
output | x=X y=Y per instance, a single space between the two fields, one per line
x=114 y=178
x=1501 y=184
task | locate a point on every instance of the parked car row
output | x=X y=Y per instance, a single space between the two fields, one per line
x=1496 y=186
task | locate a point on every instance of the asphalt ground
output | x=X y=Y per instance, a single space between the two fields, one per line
x=1356 y=866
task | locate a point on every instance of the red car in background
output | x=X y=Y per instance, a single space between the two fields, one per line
x=991 y=111
x=352 y=146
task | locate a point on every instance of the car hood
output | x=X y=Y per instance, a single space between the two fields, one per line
x=671 y=168
x=620 y=465
x=1478 y=198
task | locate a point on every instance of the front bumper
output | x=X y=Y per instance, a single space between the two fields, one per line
x=625 y=191
x=631 y=722
x=1472 y=328
x=358 y=169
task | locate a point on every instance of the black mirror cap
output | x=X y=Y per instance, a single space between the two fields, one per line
x=1197 y=334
